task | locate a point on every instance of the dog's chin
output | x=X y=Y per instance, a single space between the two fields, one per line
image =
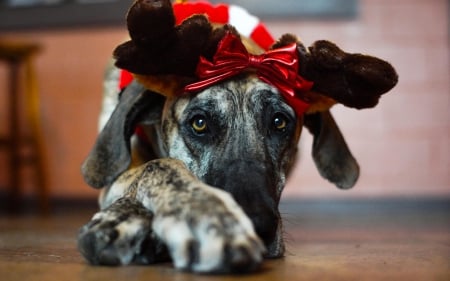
x=252 y=187
x=276 y=249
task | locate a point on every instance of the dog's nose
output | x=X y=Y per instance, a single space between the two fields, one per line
x=251 y=187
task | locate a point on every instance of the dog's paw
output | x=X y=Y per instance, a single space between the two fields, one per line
x=210 y=234
x=119 y=235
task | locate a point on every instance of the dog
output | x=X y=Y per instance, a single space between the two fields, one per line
x=202 y=185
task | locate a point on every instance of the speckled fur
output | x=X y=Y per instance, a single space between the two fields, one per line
x=204 y=228
x=208 y=201
x=164 y=205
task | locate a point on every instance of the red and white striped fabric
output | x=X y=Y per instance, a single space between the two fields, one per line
x=245 y=23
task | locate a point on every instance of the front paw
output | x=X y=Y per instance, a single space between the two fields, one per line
x=119 y=235
x=211 y=235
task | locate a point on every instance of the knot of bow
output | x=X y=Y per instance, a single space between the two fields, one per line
x=278 y=68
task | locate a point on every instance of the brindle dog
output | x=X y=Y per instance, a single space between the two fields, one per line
x=204 y=188
x=239 y=136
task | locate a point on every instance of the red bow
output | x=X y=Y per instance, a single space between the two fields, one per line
x=276 y=67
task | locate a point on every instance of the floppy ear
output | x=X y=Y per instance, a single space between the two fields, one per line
x=111 y=154
x=330 y=152
x=354 y=80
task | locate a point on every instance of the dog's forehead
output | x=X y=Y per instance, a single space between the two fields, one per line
x=244 y=93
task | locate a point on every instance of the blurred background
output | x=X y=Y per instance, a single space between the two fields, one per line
x=402 y=145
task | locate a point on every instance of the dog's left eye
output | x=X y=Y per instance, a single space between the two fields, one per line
x=279 y=122
x=199 y=124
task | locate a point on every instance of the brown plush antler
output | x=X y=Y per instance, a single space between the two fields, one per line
x=158 y=47
x=354 y=80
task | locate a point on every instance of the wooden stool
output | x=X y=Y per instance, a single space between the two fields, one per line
x=22 y=80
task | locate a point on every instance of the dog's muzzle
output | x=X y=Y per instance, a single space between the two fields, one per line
x=252 y=187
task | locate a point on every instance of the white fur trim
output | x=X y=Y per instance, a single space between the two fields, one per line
x=244 y=22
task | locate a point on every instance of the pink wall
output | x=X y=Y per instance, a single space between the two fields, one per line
x=402 y=145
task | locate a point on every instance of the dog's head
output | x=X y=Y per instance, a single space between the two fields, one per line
x=238 y=134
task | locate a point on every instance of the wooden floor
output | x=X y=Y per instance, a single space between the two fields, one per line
x=384 y=240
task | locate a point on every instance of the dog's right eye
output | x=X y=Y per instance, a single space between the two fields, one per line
x=199 y=124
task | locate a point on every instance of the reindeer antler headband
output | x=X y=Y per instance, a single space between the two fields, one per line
x=167 y=57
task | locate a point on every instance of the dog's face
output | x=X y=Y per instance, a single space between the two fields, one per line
x=239 y=136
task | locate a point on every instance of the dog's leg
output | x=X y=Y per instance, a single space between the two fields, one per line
x=203 y=228
x=121 y=234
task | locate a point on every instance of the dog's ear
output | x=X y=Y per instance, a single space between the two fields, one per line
x=330 y=152
x=111 y=154
x=353 y=80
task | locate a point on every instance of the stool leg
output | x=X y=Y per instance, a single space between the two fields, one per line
x=14 y=193
x=34 y=119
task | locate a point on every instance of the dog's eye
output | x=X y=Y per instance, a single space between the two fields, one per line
x=279 y=123
x=199 y=124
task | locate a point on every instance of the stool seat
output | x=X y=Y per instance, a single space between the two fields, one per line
x=14 y=51
x=22 y=81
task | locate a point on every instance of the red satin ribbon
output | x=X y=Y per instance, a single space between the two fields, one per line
x=276 y=67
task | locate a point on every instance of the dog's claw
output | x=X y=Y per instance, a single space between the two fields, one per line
x=242 y=260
